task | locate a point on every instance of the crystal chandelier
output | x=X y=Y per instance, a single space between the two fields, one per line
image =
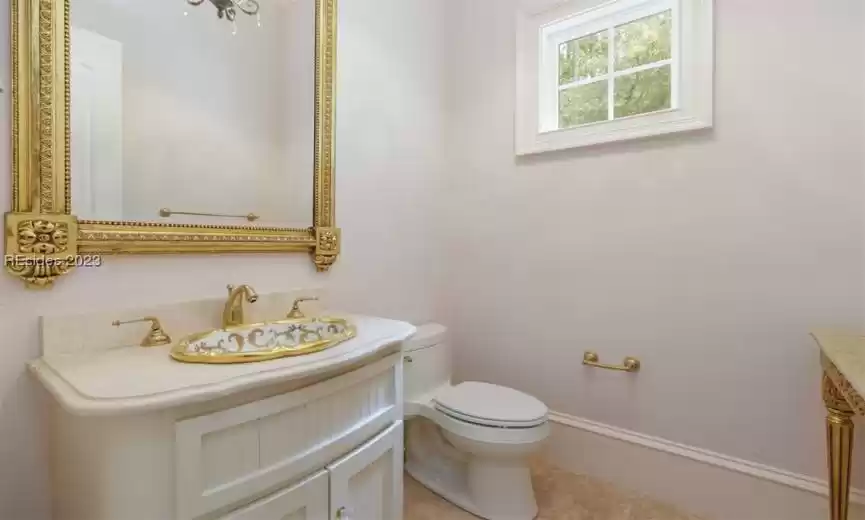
x=228 y=9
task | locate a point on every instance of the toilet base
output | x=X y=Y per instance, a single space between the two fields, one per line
x=490 y=488
x=527 y=511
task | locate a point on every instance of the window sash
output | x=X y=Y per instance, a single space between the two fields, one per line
x=606 y=17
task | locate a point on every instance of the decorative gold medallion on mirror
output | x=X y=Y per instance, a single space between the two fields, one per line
x=40 y=248
x=327 y=247
x=66 y=205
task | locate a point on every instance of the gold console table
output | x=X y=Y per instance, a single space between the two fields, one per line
x=843 y=360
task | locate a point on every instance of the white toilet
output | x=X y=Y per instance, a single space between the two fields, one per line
x=469 y=443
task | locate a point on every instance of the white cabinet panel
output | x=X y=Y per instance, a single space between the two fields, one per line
x=229 y=454
x=305 y=501
x=367 y=484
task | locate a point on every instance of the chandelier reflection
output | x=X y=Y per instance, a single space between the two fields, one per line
x=228 y=9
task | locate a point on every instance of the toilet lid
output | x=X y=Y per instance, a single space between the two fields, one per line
x=491 y=405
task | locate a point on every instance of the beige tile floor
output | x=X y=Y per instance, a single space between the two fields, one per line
x=561 y=496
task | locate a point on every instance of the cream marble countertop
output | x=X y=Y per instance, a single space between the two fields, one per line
x=135 y=379
x=847 y=352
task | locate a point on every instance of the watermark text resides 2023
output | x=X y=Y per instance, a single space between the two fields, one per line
x=68 y=261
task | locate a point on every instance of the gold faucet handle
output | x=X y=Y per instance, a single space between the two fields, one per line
x=155 y=338
x=296 y=313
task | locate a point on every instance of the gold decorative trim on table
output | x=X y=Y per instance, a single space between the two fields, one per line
x=839 y=441
x=41 y=165
x=841 y=357
x=841 y=387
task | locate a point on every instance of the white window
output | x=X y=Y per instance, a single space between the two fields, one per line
x=623 y=70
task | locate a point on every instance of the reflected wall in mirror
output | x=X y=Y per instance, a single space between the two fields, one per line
x=170 y=126
x=193 y=109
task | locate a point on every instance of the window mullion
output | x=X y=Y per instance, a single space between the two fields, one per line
x=644 y=67
x=583 y=82
x=611 y=76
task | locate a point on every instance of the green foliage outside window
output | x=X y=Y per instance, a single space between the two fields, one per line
x=585 y=58
x=583 y=104
x=641 y=42
x=644 y=41
x=643 y=92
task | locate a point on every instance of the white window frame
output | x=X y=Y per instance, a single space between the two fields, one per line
x=538 y=39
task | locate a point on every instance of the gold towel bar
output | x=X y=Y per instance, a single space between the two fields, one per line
x=630 y=364
x=165 y=212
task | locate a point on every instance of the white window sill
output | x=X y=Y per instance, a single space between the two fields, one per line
x=635 y=127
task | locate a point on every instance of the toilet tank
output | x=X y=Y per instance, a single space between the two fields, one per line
x=426 y=361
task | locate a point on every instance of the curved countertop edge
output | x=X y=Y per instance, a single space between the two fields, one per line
x=79 y=404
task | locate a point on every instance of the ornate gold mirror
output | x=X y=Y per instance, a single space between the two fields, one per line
x=170 y=126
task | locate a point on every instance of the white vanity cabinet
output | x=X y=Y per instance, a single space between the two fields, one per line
x=313 y=438
x=364 y=485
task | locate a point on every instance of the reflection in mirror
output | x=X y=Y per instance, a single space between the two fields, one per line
x=190 y=107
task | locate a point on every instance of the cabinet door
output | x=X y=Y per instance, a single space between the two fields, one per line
x=367 y=483
x=305 y=501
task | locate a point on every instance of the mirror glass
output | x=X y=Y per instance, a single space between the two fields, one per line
x=193 y=106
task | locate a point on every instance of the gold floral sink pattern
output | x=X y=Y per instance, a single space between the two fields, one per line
x=263 y=341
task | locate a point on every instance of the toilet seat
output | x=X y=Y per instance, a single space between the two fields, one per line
x=491 y=405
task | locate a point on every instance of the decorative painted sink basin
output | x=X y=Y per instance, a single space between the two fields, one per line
x=263 y=341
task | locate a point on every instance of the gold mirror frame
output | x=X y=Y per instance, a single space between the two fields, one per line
x=44 y=241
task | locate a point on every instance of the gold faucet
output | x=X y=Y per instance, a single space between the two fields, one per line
x=232 y=315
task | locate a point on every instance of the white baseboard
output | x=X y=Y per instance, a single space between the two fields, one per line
x=700 y=481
